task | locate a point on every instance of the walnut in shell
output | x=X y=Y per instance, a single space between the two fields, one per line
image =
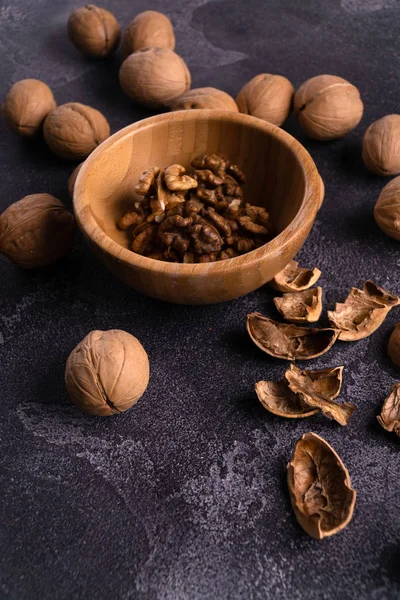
x=394 y=345
x=72 y=179
x=268 y=97
x=327 y=107
x=362 y=312
x=26 y=106
x=289 y=342
x=207 y=97
x=36 y=231
x=390 y=413
x=154 y=77
x=294 y=278
x=73 y=130
x=94 y=31
x=320 y=488
x=107 y=372
x=381 y=146
x=301 y=307
x=387 y=209
x=149 y=29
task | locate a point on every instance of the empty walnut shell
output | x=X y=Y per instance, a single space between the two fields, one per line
x=394 y=345
x=278 y=399
x=289 y=342
x=268 y=97
x=107 y=372
x=149 y=29
x=207 y=97
x=26 y=106
x=362 y=312
x=381 y=146
x=73 y=130
x=36 y=231
x=154 y=77
x=301 y=307
x=390 y=413
x=294 y=278
x=72 y=179
x=327 y=107
x=387 y=209
x=320 y=488
x=94 y=31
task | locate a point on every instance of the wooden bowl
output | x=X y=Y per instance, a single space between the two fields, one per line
x=280 y=176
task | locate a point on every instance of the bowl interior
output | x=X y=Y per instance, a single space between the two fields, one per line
x=275 y=175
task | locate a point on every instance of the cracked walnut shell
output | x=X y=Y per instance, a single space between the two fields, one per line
x=107 y=372
x=300 y=307
x=74 y=130
x=94 y=31
x=294 y=278
x=381 y=146
x=26 y=106
x=268 y=97
x=327 y=107
x=207 y=97
x=394 y=345
x=154 y=77
x=149 y=29
x=390 y=412
x=36 y=231
x=320 y=488
x=387 y=209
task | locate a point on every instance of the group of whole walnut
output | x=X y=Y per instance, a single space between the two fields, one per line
x=201 y=216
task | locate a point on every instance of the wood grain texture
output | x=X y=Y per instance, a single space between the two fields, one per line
x=280 y=176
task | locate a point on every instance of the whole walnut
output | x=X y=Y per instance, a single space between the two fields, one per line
x=154 y=77
x=107 y=372
x=94 y=31
x=387 y=209
x=381 y=146
x=26 y=106
x=328 y=107
x=149 y=29
x=207 y=97
x=394 y=345
x=73 y=130
x=36 y=231
x=268 y=97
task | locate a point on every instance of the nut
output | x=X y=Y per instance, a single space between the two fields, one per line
x=72 y=179
x=176 y=180
x=94 y=31
x=73 y=130
x=26 y=106
x=36 y=231
x=107 y=372
x=149 y=29
x=268 y=97
x=394 y=345
x=328 y=107
x=387 y=209
x=207 y=97
x=154 y=77
x=390 y=412
x=381 y=146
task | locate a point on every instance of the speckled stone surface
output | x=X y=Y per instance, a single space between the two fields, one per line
x=184 y=497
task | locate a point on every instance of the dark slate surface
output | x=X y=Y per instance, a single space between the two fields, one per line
x=184 y=497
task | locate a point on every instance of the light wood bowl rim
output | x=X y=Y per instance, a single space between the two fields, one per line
x=305 y=214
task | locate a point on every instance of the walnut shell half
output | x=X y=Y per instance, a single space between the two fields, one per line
x=387 y=209
x=268 y=97
x=149 y=29
x=394 y=345
x=294 y=278
x=390 y=413
x=320 y=488
x=301 y=307
x=207 y=97
x=26 y=106
x=381 y=146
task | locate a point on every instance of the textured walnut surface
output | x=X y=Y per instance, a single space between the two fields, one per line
x=184 y=495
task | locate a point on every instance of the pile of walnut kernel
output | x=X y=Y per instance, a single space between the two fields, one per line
x=195 y=218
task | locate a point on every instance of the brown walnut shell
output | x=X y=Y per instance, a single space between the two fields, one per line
x=362 y=312
x=390 y=412
x=320 y=488
x=394 y=345
x=327 y=107
x=387 y=209
x=154 y=77
x=149 y=29
x=279 y=400
x=94 y=31
x=36 y=231
x=294 y=278
x=107 y=372
x=289 y=342
x=381 y=146
x=206 y=97
x=74 y=130
x=301 y=307
x=268 y=97
x=26 y=106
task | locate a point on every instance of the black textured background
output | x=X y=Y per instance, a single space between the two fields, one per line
x=184 y=497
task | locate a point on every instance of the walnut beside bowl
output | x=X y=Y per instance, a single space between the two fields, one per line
x=281 y=176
